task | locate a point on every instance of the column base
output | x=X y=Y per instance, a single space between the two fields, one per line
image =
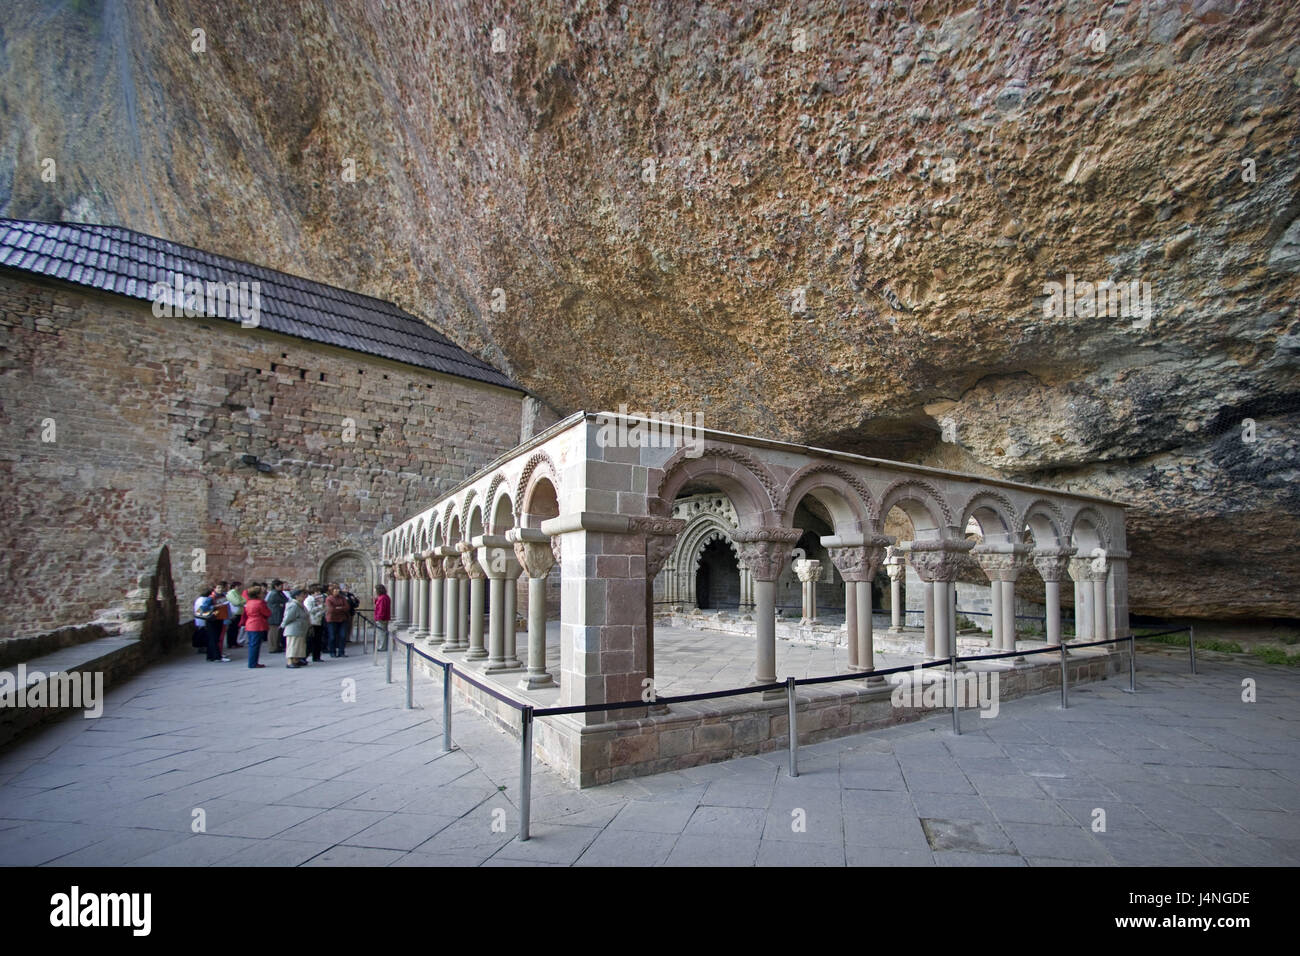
x=500 y=667
x=536 y=681
x=476 y=654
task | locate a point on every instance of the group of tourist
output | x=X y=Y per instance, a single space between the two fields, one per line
x=298 y=622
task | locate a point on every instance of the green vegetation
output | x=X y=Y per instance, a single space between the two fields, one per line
x=1276 y=655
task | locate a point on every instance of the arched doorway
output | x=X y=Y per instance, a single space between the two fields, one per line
x=717 y=577
x=354 y=570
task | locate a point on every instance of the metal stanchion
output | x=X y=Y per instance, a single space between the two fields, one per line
x=389 y=678
x=1065 y=681
x=1191 y=646
x=1132 y=665
x=410 y=683
x=374 y=658
x=794 y=726
x=525 y=772
x=446 y=706
x=952 y=672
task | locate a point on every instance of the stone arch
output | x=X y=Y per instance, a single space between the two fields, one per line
x=345 y=566
x=438 y=539
x=1088 y=519
x=919 y=500
x=850 y=504
x=447 y=514
x=492 y=503
x=746 y=481
x=992 y=503
x=466 y=509
x=1044 y=518
x=537 y=467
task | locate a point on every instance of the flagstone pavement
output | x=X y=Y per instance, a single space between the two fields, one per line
x=196 y=764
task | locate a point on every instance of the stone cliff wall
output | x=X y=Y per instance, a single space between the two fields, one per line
x=826 y=222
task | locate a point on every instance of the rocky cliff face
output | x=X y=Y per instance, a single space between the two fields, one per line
x=836 y=223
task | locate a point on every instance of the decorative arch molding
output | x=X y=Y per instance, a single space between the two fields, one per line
x=447 y=516
x=913 y=489
x=867 y=500
x=1091 y=514
x=490 y=503
x=996 y=502
x=680 y=459
x=538 y=465
x=713 y=534
x=1053 y=513
x=466 y=510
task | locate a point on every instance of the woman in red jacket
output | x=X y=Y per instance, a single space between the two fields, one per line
x=257 y=618
x=383 y=611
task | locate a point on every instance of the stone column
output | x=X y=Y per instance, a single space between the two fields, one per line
x=510 y=650
x=660 y=538
x=928 y=615
x=858 y=564
x=420 y=587
x=1003 y=562
x=1098 y=569
x=474 y=584
x=765 y=551
x=936 y=562
x=807 y=572
x=1051 y=564
x=452 y=572
x=399 y=600
x=533 y=552
x=495 y=558
x=1082 y=599
x=896 y=569
x=437 y=617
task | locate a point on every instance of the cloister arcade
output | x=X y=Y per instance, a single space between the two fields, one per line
x=612 y=518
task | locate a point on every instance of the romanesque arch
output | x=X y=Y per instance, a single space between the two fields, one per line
x=919 y=500
x=350 y=567
x=987 y=506
x=842 y=493
x=748 y=483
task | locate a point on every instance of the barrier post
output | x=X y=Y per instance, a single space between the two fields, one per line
x=525 y=772
x=1132 y=664
x=952 y=673
x=1065 y=680
x=389 y=679
x=374 y=658
x=794 y=726
x=446 y=707
x=1191 y=646
x=409 y=673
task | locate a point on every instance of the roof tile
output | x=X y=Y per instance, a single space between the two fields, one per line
x=130 y=263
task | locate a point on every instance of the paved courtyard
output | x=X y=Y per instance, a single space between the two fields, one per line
x=279 y=769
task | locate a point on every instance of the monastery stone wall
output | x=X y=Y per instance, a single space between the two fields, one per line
x=121 y=431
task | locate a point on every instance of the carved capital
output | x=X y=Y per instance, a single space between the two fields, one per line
x=938 y=560
x=1052 y=563
x=807 y=570
x=471 y=566
x=452 y=568
x=859 y=562
x=1001 y=565
x=764 y=551
x=432 y=566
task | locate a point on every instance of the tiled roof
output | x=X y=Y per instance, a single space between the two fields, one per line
x=129 y=263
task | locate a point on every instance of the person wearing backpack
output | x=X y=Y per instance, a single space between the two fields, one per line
x=205 y=620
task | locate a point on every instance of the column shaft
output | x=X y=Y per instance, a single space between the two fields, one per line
x=437 y=617
x=765 y=629
x=1008 y=589
x=509 y=650
x=1052 y=596
x=851 y=623
x=477 y=651
x=496 y=624
x=537 y=675
x=866 y=642
x=929 y=619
